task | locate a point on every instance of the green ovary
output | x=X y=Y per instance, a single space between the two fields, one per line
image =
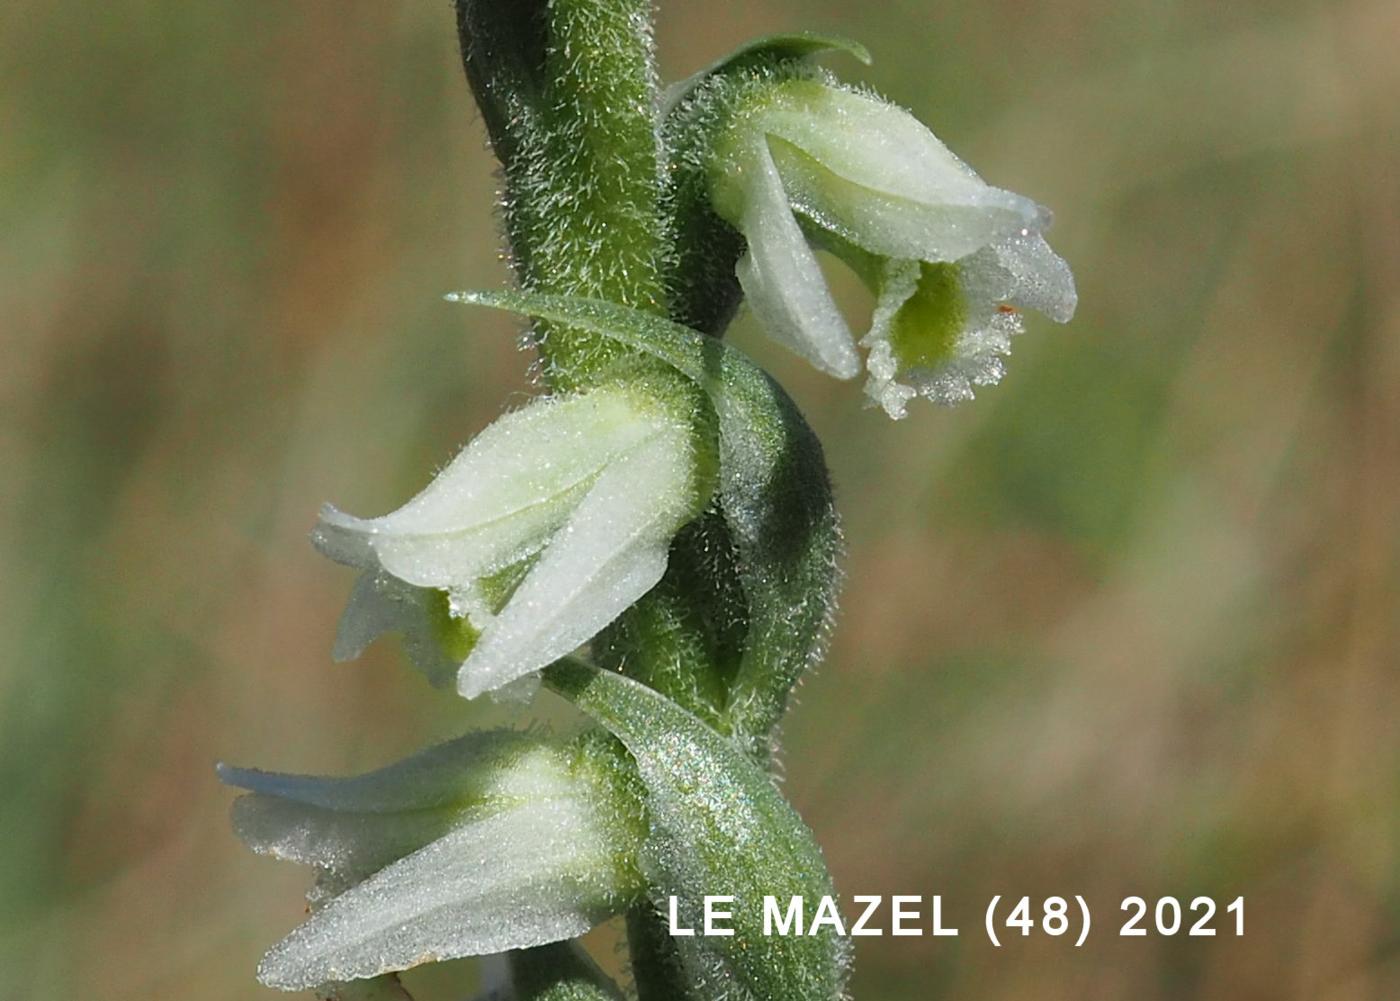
x=924 y=331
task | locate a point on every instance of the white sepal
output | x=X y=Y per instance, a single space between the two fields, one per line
x=878 y=176
x=499 y=499
x=782 y=281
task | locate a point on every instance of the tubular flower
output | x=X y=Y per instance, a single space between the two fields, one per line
x=538 y=534
x=806 y=163
x=495 y=841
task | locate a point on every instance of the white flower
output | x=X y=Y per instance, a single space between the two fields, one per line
x=491 y=842
x=542 y=531
x=808 y=162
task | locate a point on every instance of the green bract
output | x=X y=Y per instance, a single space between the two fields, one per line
x=718 y=827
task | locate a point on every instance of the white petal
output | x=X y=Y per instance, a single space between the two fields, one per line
x=783 y=282
x=537 y=873
x=1041 y=280
x=381 y=603
x=347 y=843
x=882 y=179
x=499 y=500
x=451 y=773
x=611 y=552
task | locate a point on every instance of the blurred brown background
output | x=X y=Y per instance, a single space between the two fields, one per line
x=1127 y=625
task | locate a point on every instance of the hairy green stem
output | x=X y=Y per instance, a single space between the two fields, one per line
x=567 y=89
x=605 y=236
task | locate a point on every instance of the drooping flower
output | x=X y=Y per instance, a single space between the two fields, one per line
x=495 y=841
x=538 y=534
x=804 y=163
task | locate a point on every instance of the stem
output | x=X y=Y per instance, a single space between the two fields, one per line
x=568 y=92
x=607 y=234
x=502 y=51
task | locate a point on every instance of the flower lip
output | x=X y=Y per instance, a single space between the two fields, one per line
x=940 y=330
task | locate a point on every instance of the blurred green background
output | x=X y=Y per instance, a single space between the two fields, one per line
x=1126 y=625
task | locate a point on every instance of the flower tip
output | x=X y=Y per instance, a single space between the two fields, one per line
x=472 y=297
x=890 y=396
x=1064 y=310
x=291 y=966
x=501 y=676
x=226 y=773
x=342 y=537
x=845 y=365
x=335 y=517
x=247 y=779
x=470 y=684
x=1064 y=302
x=274 y=972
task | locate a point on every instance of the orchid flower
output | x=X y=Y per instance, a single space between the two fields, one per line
x=498 y=840
x=538 y=534
x=951 y=259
